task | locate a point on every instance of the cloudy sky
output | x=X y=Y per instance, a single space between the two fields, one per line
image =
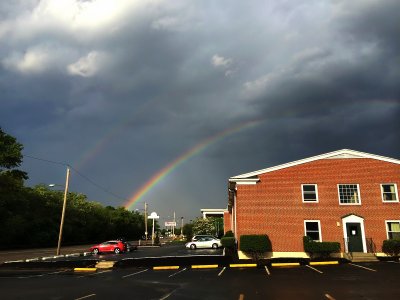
x=120 y=90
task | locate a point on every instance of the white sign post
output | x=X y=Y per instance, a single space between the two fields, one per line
x=153 y=216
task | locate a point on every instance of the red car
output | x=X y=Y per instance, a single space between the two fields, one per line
x=109 y=246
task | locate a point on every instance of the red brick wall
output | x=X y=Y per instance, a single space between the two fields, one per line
x=274 y=205
x=227 y=221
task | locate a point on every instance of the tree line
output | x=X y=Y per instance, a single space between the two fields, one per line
x=30 y=216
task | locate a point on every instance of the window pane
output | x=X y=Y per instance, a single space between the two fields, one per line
x=312 y=226
x=394 y=226
x=309 y=192
x=309 y=188
x=389 y=192
x=310 y=197
x=313 y=235
x=348 y=193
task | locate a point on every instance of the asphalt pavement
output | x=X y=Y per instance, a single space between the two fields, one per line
x=344 y=281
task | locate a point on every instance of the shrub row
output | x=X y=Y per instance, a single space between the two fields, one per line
x=255 y=243
x=320 y=248
x=391 y=247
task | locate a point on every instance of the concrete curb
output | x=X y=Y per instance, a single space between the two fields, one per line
x=322 y=263
x=85 y=269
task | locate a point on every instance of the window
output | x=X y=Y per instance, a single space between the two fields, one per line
x=312 y=230
x=393 y=229
x=349 y=194
x=310 y=193
x=389 y=192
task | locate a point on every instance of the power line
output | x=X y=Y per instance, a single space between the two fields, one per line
x=46 y=160
x=98 y=185
x=80 y=174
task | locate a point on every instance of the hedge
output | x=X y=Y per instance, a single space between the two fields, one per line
x=228 y=242
x=229 y=233
x=391 y=247
x=255 y=243
x=322 y=248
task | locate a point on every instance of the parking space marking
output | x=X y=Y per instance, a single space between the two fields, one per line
x=316 y=270
x=167 y=295
x=222 y=271
x=166 y=268
x=285 y=264
x=204 y=266
x=329 y=297
x=362 y=267
x=267 y=270
x=85 y=297
x=129 y=275
x=243 y=265
x=184 y=269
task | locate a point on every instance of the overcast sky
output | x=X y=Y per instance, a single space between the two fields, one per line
x=120 y=89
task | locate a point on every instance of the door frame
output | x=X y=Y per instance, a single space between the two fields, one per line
x=354 y=219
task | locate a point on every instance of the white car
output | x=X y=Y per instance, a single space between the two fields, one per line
x=204 y=242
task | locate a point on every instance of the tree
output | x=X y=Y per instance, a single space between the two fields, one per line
x=10 y=158
x=204 y=226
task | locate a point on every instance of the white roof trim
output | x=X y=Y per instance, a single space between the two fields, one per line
x=339 y=154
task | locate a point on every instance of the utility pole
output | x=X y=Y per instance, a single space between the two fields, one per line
x=145 y=220
x=181 y=227
x=173 y=227
x=63 y=212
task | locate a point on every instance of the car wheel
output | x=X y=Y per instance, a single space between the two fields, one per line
x=117 y=251
x=95 y=251
x=214 y=246
x=192 y=246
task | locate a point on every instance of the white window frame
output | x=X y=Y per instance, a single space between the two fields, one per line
x=358 y=193
x=387 y=228
x=319 y=229
x=395 y=191
x=316 y=193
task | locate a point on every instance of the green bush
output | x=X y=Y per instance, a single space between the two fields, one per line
x=229 y=233
x=228 y=242
x=324 y=249
x=255 y=243
x=391 y=247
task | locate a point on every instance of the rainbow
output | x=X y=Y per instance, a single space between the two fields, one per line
x=157 y=177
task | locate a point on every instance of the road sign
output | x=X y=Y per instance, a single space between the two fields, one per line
x=170 y=224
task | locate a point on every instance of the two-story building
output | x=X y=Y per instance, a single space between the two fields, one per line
x=343 y=196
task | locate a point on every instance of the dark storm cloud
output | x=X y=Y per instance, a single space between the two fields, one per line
x=123 y=89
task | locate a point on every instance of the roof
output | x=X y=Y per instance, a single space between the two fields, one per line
x=251 y=178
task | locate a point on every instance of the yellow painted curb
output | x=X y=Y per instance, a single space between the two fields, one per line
x=242 y=265
x=166 y=268
x=204 y=266
x=85 y=269
x=320 y=263
x=285 y=264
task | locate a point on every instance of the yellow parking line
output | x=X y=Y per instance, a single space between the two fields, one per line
x=204 y=266
x=166 y=268
x=242 y=265
x=320 y=263
x=85 y=269
x=285 y=264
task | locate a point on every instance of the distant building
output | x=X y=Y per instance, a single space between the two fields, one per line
x=343 y=196
x=213 y=212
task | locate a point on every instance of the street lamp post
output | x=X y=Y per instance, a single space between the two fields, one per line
x=153 y=216
x=63 y=212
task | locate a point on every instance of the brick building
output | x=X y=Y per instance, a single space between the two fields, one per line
x=343 y=196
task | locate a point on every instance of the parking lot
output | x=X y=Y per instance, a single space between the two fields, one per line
x=344 y=281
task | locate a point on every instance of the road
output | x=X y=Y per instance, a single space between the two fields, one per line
x=349 y=281
x=10 y=255
x=170 y=250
